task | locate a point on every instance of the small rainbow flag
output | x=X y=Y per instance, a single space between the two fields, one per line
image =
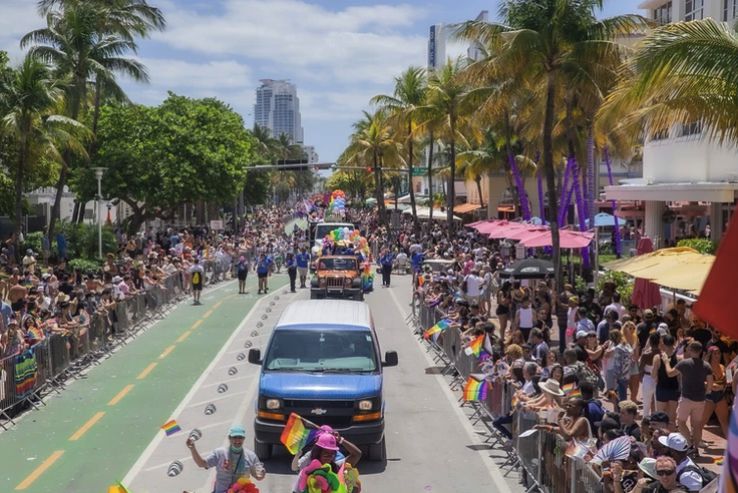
x=476 y=345
x=474 y=390
x=436 y=329
x=171 y=427
x=571 y=390
x=295 y=435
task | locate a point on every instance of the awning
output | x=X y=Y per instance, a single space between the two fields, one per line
x=677 y=268
x=668 y=192
x=466 y=208
x=424 y=213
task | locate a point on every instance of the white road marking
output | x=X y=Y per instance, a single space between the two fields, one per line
x=138 y=465
x=227 y=395
x=494 y=470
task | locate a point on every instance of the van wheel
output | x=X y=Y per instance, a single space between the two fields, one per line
x=378 y=452
x=263 y=450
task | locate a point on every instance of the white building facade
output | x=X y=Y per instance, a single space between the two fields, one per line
x=278 y=109
x=683 y=170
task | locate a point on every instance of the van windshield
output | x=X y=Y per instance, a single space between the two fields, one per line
x=322 y=351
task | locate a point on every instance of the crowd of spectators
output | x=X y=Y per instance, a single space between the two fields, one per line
x=38 y=299
x=593 y=368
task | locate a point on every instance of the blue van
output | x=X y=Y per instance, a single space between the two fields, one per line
x=323 y=363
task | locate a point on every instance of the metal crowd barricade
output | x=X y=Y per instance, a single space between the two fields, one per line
x=540 y=455
x=48 y=364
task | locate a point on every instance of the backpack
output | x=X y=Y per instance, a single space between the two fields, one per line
x=707 y=475
x=196 y=277
x=586 y=374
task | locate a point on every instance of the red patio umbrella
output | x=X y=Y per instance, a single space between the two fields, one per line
x=567 y=239
x=484 y=227
x=645 y=293
x=504 y=229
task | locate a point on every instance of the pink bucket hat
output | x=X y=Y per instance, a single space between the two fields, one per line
x=327 y=441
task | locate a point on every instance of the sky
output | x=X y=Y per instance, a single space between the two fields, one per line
x=339 y=53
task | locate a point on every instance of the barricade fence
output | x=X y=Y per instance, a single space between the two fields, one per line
x=26 y=377
x=541 y=455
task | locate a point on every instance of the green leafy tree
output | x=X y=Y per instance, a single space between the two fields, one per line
x=184 y=151
x=85 y=41
x=31 y=98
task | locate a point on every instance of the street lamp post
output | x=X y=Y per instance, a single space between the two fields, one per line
x=98 y=175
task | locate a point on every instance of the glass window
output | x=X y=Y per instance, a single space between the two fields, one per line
x=319 y=351
x=693 y=9
x=693 y=128
x=729 y=10
x=662 y=15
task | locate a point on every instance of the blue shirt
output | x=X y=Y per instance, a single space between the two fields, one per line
x=263 y=267
x=303 y=259
x=6 y=311
x=290 y=263
x=386 y=260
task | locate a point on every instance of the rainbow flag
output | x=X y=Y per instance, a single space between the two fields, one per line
x=474 y=390
x=476 y=345
x=295 y=435
x=36 y=333
x=571 y=390
x=436 y=329
x=171 y=427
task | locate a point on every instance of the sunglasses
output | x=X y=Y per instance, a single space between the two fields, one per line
x=667 y=472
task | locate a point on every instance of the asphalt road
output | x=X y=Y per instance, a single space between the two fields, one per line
x=192 y=367
x=431 y=446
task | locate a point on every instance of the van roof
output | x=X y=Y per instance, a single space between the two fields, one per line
x=326 y=312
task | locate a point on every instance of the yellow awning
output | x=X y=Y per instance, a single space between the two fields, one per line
x=466 y=208
x=677 y=268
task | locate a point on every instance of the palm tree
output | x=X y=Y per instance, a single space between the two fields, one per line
x=267 y=146
x=550 y=42
x=81 y=47
x=446 y=104
x=409 y=94
x=682 y=73
x=374 y=142
x=31 y=99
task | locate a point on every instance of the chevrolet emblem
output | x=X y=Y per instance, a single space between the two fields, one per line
x=318 y=411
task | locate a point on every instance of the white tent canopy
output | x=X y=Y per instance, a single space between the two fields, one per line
x=424 y=214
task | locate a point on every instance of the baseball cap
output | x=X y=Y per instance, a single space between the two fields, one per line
x=237 y=431
x=663 y=329
x=581 y=333
x=647 y=313
x=674 y=441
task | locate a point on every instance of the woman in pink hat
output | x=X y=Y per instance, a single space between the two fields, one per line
x=325 y=451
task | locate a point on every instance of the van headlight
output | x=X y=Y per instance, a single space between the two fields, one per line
x=273 y=404
x=366 y=405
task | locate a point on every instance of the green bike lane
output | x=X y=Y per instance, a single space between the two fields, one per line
x=88 y=437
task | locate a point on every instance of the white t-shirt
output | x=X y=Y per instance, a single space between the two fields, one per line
x=473 y=285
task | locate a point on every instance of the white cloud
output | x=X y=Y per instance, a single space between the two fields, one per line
x=17 y=17
x=356 y=44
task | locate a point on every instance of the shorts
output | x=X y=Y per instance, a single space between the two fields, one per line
x=18 y=305
x=666 y=395
x=303 y=271
x=502 y=310
x=688 y=408
x=715 y=396
x=262 y=276
x=242 y=276
x=197 y=286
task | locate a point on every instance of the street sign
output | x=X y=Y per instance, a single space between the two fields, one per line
x=216 y=225
x=420 y=172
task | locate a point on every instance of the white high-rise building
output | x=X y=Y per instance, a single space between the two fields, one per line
x=689 y=180
x=278 y=109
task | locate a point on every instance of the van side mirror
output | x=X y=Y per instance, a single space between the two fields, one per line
x=390 y=358
x=255 y=356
